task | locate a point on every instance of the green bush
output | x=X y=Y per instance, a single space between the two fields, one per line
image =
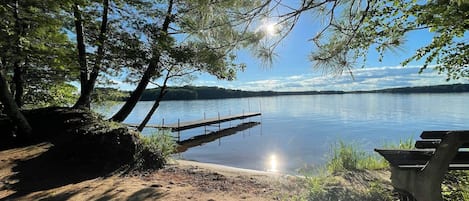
x=155 y=150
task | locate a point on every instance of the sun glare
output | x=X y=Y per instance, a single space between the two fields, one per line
x=272 y=163
x=269 y=28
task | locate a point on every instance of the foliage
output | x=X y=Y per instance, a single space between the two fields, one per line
x=455 y=185
x=36 y=51
x=155 y=150
x=101 y=95
x=61 y=94
x=350 y=29
x=345 y=157
x=162 y=141
x=382 y=25
x=201 y=37
x=324 y=187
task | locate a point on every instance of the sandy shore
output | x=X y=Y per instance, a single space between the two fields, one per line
x=180 y=180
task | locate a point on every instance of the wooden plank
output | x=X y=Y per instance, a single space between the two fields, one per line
x=205 y=122
x=417 y=156
x=427 y=143
x=432 y=144
x=433 y=134
x=451 y=166
x=441 y=134
x=406 y=157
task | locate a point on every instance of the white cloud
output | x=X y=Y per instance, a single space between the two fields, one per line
x=364 y=79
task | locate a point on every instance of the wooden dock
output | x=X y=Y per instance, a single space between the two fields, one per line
x=204 y=122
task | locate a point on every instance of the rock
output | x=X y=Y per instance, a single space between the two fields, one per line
x=156 y=185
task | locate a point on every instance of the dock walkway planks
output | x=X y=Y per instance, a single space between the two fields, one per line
x=204 y=122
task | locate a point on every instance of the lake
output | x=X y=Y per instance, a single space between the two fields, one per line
x=297 y=132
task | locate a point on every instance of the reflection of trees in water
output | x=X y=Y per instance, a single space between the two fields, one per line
x=212 y=136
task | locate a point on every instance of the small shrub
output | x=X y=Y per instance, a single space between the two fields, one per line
x=155 y=150
x=161 y=141
x=350 y=157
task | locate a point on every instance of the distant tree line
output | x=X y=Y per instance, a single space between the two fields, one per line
x=204 y=92
x=452 y=88
x=195 y=93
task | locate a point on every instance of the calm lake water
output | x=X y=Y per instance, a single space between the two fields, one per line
x=297 y=131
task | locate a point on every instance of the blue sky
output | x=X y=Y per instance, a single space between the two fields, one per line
x=292 y=71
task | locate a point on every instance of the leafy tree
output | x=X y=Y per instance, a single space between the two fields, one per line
x=35 y=54
x=192 y=36
x=37 y=51
x=88 y=78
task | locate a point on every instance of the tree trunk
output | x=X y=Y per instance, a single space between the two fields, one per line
x=18 y=79
x=81 y=48
x=12 y=110
x=129 y=105
x=18 y=71
x=155 y=105
x=136 y=94
x=84 y=101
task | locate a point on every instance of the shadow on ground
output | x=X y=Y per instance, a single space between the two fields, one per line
x=53 y=169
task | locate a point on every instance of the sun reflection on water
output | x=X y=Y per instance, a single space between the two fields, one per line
x=272 y=163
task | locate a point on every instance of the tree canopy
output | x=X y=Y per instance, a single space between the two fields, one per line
x=47 y=45
x=50 y=45
x=351 y=28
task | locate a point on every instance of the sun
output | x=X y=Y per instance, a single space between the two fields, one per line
x=269 y=28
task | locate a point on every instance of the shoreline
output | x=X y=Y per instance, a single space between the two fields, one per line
x=225 y=168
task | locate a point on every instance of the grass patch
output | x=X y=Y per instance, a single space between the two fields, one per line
x=327 y=187
x=351 y=157
x=346 y=177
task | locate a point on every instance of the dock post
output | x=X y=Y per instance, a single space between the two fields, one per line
x=243 y=115
x=205 y=127
x=260 y=111
x=179 y=131
x=219 y=123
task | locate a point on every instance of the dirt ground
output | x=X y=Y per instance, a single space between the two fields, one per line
x=26 y=175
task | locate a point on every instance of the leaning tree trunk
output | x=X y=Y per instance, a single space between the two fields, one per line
x=12 y=110
x=155 y=105
x=136 y=94
x=84 y=101
x=129 y=105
